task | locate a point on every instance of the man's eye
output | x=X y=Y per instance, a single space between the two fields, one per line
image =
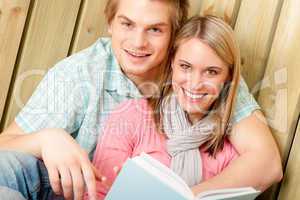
x=126 y=24
x=155 y=30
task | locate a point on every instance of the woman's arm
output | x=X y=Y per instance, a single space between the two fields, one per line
x=259 y=163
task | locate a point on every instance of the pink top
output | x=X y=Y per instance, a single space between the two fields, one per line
x=130 y=130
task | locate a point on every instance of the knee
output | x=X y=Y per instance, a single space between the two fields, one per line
x=19 y=172
x=16 y=164
x=12 y=159
x=9 y=194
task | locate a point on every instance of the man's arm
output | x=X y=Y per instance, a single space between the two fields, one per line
x=67 y=163
x=259 y=163
x=14 y=138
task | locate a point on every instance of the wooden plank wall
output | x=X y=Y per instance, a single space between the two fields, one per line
x=90 y=26
x=289 y=189
x=280 y=95
x=47 y=40
x=12 y=20
x=226 y=9
x=36 y=34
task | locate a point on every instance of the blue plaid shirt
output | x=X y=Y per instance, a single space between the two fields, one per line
x=80 y=91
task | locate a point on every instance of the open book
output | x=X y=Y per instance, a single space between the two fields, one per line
x=145 y=178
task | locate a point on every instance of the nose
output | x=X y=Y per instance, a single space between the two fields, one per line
x=139 y=39
x=196 y=81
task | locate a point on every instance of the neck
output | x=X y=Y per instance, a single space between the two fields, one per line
x=146 y=83
x=194 y=118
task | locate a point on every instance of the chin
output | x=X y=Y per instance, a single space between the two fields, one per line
x=136 y=71
x=196 y=111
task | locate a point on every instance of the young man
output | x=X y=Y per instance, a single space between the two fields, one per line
x=66 y=112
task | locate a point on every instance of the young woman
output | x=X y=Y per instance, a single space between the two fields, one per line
x=186 y=127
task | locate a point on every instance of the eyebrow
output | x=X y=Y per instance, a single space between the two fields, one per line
x=210 y=66
x=214 y=67
x=185 y=62
x=150 y=25
x=125 y=18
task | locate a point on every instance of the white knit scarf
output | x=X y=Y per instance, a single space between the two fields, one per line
x=185 y=139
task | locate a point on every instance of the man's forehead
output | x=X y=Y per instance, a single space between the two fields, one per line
x=161 y=23
x=145 y=11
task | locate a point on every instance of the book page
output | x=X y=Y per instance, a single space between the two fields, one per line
x=165 y=174
x=227 y=193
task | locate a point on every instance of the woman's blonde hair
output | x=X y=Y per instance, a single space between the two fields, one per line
x=179 y=15
x=220 y=37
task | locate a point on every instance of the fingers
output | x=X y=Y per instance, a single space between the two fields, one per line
x=98 y=175
x=70 y=184
x=101 y=178
x=90 y=179
x=78 y=182
x=66 y=182
x=54 y=180
x=117 y=169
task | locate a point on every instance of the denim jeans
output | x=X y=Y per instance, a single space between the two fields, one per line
x=24 y=176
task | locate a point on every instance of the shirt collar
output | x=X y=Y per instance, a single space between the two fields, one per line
x=117 y=81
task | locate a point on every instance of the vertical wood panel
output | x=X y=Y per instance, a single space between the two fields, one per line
x=226 y=9
x=281 y=87
x=278 y=96
x=47 y=41
x=195 y=6
x=290 y=187
x=92 y=24
x=12 y=19
x=254 y=28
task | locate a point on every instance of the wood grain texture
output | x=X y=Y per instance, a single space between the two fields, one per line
x=91 y=25
x=254 y=29
x=225 y=9
x=279 y=94
x=47 y=41
x=12 y=20
x=280 y=88
x=290 y=187
x=195 y=6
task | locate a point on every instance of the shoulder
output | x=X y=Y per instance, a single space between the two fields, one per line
x=87 y=62
x=245 y=103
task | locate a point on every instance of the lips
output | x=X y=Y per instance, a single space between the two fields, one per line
x=195 y=96
x=138 y=54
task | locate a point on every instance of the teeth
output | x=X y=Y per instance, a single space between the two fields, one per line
x=137 y=54
x=193 y=96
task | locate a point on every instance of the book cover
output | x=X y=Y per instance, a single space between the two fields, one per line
x=144 y=178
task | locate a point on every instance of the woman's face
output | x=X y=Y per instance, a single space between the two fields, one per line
x=198 y=77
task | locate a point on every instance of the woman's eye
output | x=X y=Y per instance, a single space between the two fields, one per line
x=184 y=66
x=211 y=72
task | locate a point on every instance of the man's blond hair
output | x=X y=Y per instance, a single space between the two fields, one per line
x=179 y=14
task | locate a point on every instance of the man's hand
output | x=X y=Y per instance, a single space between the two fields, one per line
x=68 y=165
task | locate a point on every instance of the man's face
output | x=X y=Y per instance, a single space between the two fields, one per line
x=141 y=32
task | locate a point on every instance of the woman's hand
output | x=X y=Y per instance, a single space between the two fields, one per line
x=258 y=165
x=68 y=165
